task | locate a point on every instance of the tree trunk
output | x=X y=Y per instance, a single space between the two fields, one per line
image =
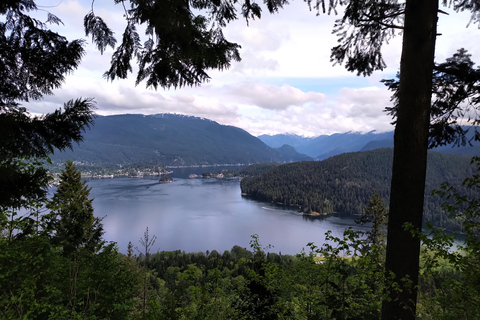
x=410 y=155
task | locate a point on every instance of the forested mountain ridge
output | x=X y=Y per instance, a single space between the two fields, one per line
x=170 y=140
x=345 y=182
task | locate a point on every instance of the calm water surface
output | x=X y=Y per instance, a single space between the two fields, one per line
x=202 y=214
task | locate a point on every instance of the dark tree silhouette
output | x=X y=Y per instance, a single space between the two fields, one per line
x=33 y=61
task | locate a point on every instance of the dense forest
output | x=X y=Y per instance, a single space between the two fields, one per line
x=344 y=183
x=319 y=284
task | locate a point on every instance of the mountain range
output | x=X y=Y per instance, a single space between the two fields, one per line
x=171 y=140
x=325 y=146
x=177 y=140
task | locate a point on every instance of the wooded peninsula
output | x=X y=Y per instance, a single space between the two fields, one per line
x=344 y=183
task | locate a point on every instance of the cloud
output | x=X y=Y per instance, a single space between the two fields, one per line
x=261 y=37
x=253 y=63
x=272 y=97
x=364 y=102
x=359 y=110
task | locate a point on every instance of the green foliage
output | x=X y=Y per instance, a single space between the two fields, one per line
x=55 y=265
x=31 y=273
x=342 y=279
x=377 y=22
x=451 y=277
x=21 y=181
x=242 y=284
x=34 y=59
x=39 y=282
x=26 y=139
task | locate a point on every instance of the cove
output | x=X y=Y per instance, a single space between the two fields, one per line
x=196 y=215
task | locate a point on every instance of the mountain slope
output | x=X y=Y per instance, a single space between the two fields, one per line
x=169 y=139
x=278 y=140
x=291 y=155
x=377 y=144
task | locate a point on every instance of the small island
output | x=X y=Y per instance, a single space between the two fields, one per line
x=165 y=179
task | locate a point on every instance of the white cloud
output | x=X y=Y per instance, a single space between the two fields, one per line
x=358 y=110
x=272 y=97
x=255 y=64
x=261 y=37
x=364 y=102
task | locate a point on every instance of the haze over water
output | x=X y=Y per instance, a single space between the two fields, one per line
x=195 y=215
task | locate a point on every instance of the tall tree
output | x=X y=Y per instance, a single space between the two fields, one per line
x=33 y=61
x=363 y=29
x=410 y=155
x=76 y=227
x=77 y=232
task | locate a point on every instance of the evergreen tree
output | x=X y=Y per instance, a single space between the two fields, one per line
x=76 y=227
x=376 y=213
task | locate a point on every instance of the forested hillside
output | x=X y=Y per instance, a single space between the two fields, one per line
x=169 y=139
x=345 y=182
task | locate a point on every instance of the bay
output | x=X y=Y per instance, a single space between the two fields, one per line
x=195 y=215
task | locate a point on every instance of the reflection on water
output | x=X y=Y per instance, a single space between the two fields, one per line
x=203 y=214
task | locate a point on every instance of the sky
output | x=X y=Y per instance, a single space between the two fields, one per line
x=285 y=82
